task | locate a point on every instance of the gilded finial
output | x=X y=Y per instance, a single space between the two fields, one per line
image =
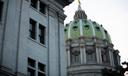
x=79 y=2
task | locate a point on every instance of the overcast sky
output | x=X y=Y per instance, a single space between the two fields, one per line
x=112 y=14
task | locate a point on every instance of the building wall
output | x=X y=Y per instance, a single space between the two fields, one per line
x=16 y=45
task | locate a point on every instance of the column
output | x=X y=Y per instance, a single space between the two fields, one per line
x=84 y=55
x=97 y=55
x=111 y=58
x=68 y=57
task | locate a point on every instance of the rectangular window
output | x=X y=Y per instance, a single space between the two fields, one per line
x=42 y=34
x=35 y=69
x=31 y=67
x=1 y=8
x=31 y=62
x=34 y=3
x=32 y=29
x=31 y=72
x=41 y=68
x=42 y=8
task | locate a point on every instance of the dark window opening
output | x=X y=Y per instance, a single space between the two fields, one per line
x=32 y=29
x=41 y=74
x=41 y=67
x=65 y=30
x=42 y=8
x=97 y=28
x=75 y=22
x=31 y=62
x=31 y=72
x=34 y=3
x=75 y=28
x=42 y=34
x=86 y=27
x=91 y=56
x=67 y=25
x=1 y=8
x=31 y=67
x=94 y=22
x=105 y=31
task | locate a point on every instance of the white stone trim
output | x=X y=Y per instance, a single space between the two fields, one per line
x=99 y=50
x=68 y=57
x=93 y=29
x=111 y=59
x=97 y=55
x=81 y=28
x=69 y=31
x=84 y=53
x=104 y=36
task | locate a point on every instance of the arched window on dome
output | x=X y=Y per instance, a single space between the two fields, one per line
x=86 y=27
x=97 y=28
x=75 y=28
x=105 y=56
x=75 y=55
x=90 y=55
x=65 y=30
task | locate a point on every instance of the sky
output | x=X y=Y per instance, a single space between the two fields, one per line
x=112 y=14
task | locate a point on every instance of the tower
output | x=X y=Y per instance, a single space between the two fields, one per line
x=31 y=40
x=89 y=47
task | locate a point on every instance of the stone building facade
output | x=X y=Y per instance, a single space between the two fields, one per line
x=31 y=38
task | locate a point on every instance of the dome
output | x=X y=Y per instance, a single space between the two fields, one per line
x=85 y=28
x=82 y=27
x=88 y=46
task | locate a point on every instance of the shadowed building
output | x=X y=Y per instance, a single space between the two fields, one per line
x=32 y=38
x=89 y=47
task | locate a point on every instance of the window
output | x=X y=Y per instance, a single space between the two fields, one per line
x=75 y=55
x=42 y=34
x=41 y=68
x=31 y=67
x=1 y=8
x=105 y=56
x=37 y=31
x=97 y=28
x=105 y=31
x=34 y=3
x=31 y=72
x=32 y=29
x=42 y=8
x=90 y=56
x=75 y=28
x=86 y=27
x=65 y=30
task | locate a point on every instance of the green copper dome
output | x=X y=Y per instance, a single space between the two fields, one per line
x=82 y=27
